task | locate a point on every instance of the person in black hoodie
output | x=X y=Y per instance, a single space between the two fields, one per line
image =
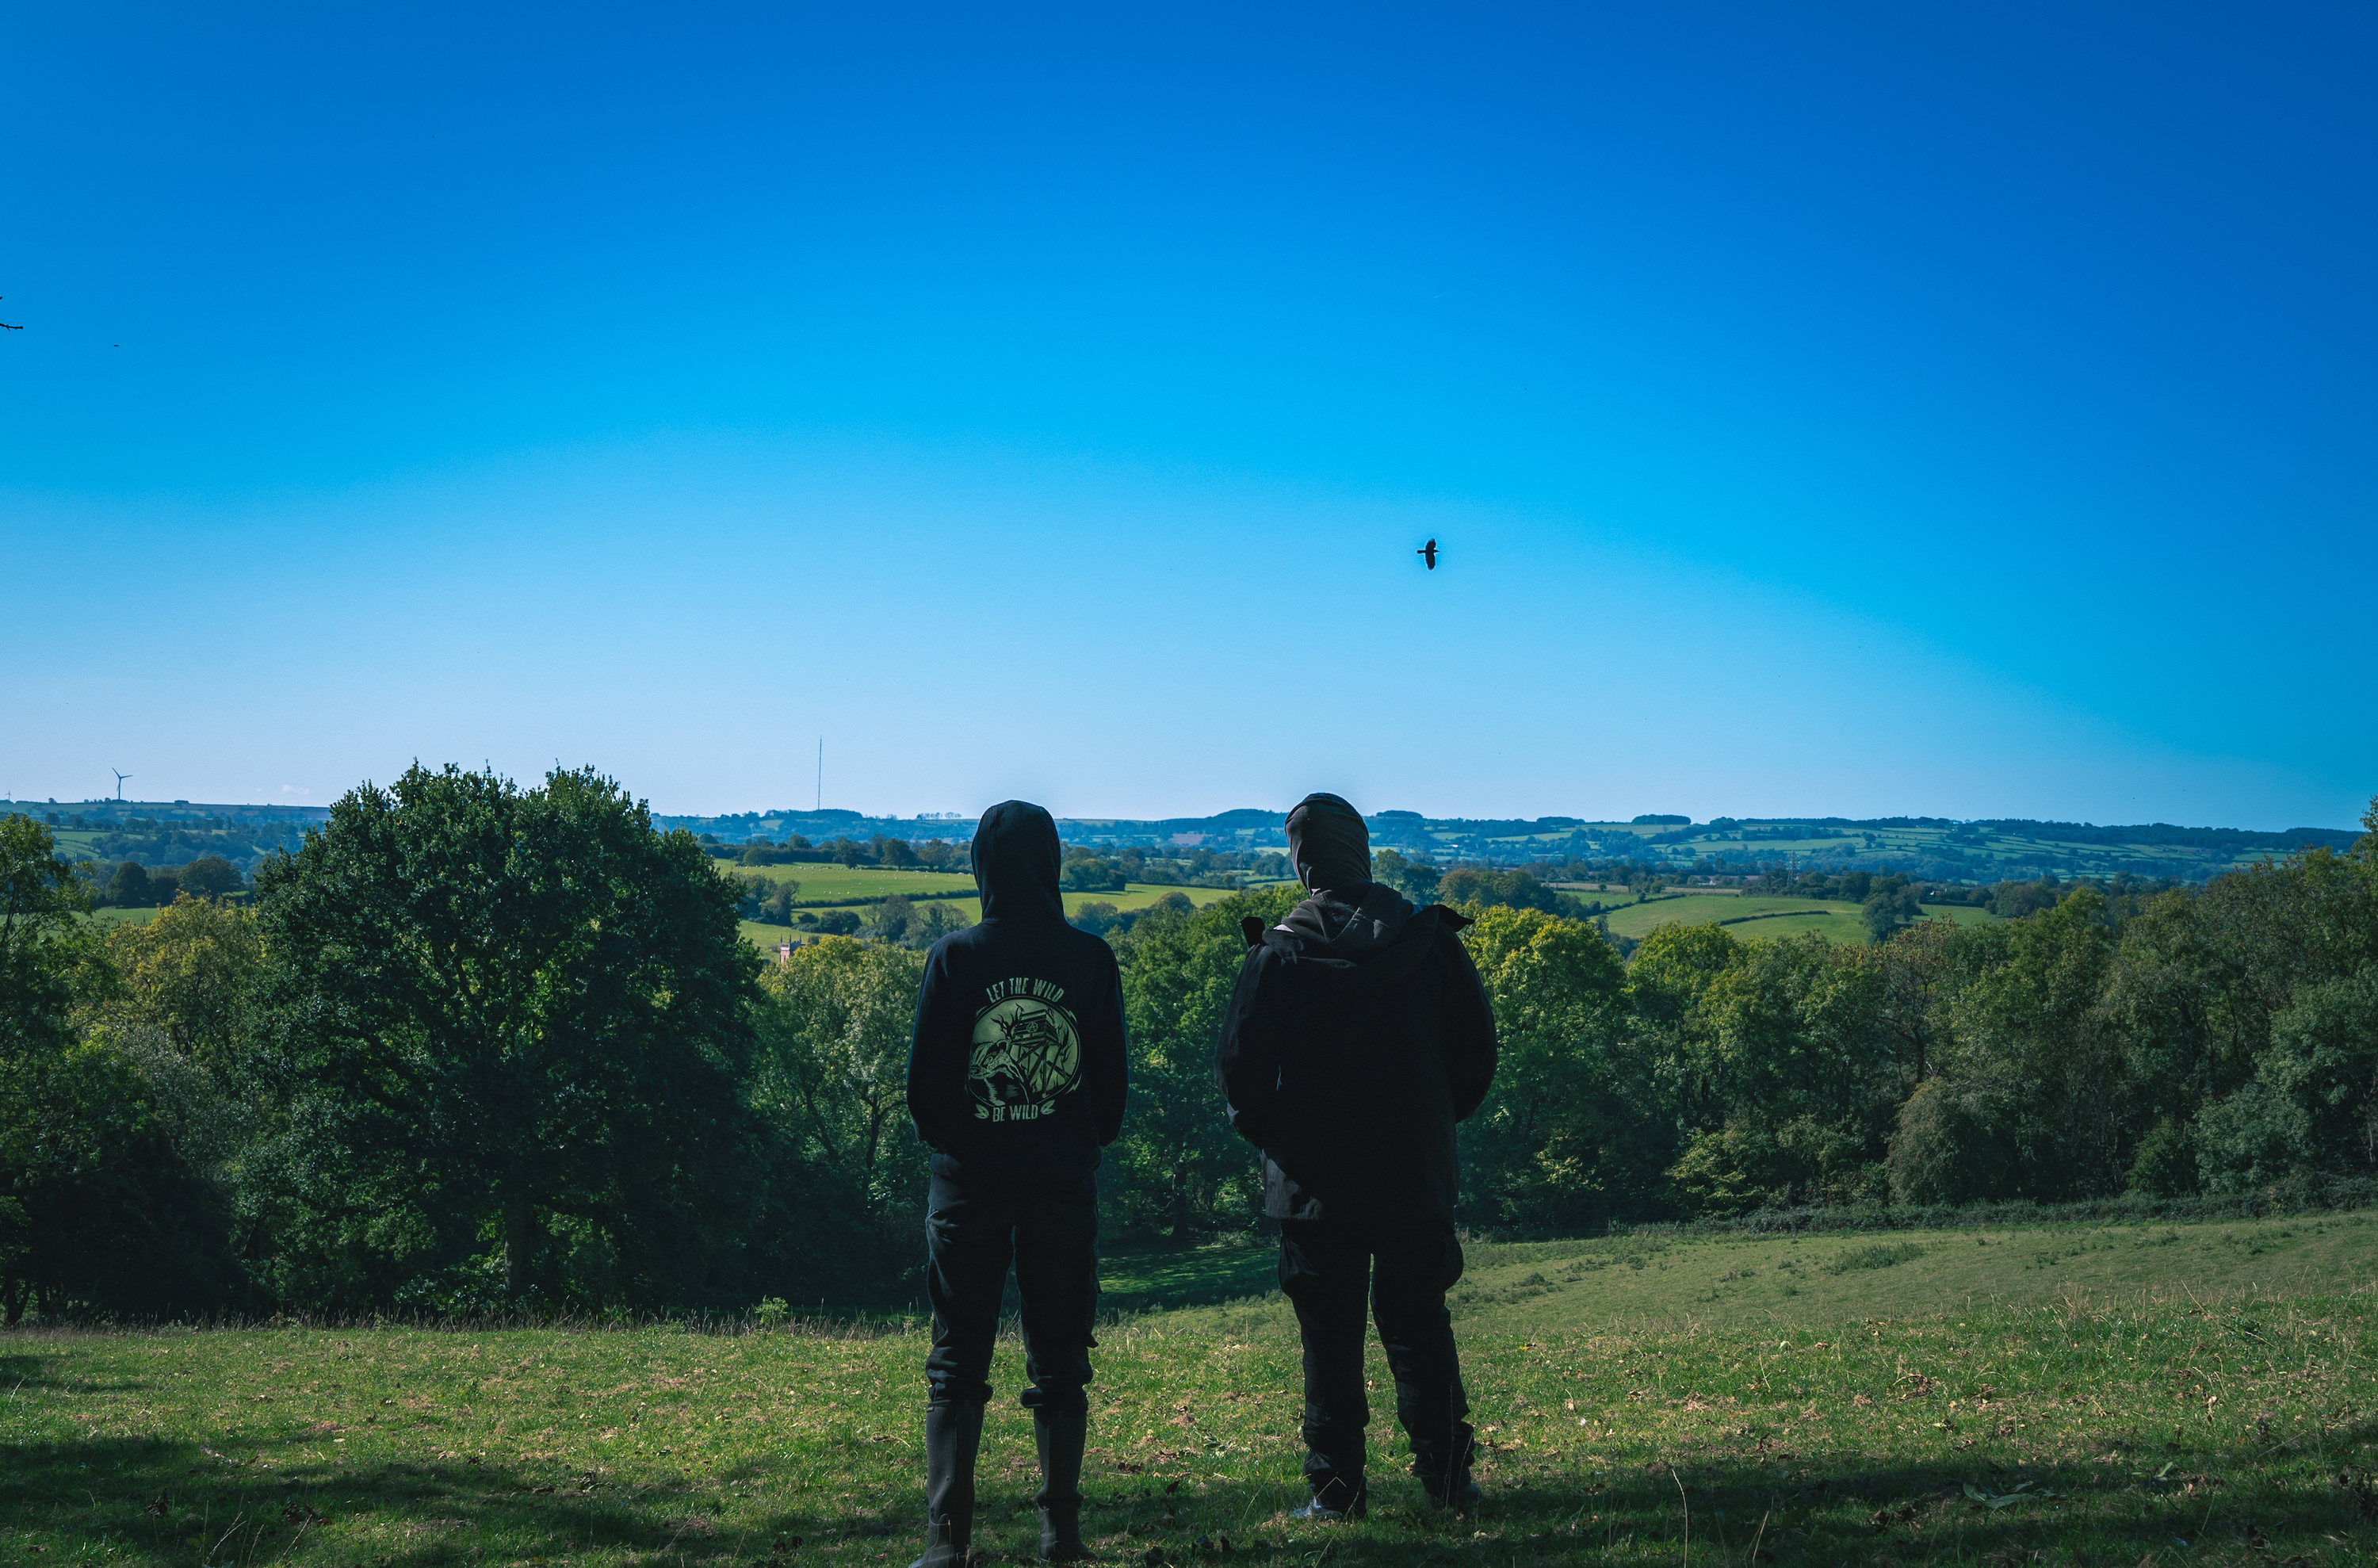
x=1357 y=1036
x=1015 y=1081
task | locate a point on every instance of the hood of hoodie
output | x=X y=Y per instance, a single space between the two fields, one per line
x=1354 y=923
x=1015 y=863
x=1328 y=843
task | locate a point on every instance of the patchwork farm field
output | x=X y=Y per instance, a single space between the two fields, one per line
x=2099 y=1395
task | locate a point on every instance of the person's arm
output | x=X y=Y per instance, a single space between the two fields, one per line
x=938 y=1050
x=1106 y=1055
x=1246 y=1058
x=1465 y=1027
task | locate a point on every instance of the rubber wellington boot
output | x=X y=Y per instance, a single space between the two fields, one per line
x=952 y=1437
x=1060 y=1438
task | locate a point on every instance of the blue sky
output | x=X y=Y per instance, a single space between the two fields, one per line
x=1963 y=411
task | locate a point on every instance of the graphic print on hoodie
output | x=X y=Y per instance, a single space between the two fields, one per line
x=1027 y=1051
x=1016 y=1066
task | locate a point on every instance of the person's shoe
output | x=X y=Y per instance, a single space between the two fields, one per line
x=1333 y=1500
x=1461 y=1493
x=1060 y=1439
x=952 y=1437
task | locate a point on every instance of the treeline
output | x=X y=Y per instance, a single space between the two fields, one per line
x=132 y=885
x=474 y=1048
x=896 y=854
x=1087 y=868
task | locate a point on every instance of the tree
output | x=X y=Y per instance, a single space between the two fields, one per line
x=1797 y=1066
x=521 y=1015
x=1888 y=908
x=1497 y=889
x=96 y=1206
x=209 y=876
x=190 y=975
x=45 y=946
x=1178 y=1166
x=1415 y=879
x=1087 y=872
x=2037 y=1060
x=1573 y=1130
x=128 y=888
x=891 y=918
x=834 y=1058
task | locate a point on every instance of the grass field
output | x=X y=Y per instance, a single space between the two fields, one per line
x=855 y=883
x=1748 y=917
x=2122 y=1396
x=113 y=917
x=1138 y=896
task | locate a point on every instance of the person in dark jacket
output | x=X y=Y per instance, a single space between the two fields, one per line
x=1015 y=1080
x=1357 y=1036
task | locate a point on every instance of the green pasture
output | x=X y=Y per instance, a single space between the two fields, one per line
x=1137 y=895
x=852 y=884
x=112 y=917
x=1684 y=1282
x=1746 y=917
x=2069 y=1395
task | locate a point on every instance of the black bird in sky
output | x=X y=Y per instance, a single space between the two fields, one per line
x=11 y=326
x=1428 y=552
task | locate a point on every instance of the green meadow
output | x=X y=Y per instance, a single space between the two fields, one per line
x=2117 y=1395
x=1748 y=917
x=832 y=883
x=112 y=917
x=1137 y=895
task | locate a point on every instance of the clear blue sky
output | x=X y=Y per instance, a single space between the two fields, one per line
x=1963 y=411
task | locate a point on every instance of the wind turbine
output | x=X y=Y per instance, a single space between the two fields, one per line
x=120 y=776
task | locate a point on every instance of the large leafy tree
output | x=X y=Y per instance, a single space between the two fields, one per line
x=513 y=1025
x=44 y=944
x=1576 y=1126
x=834 y=1070
x=96 y=1207
x=190 y=975
x=1795 y=1061
x=1177 y=1165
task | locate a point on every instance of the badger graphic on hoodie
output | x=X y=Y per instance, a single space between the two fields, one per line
x=1016 y=1068
x=1028 y=1050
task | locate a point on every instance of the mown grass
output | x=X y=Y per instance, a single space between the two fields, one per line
x=2167 y=1414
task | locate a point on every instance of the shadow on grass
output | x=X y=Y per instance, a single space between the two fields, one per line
x=1161 y=1279
x=1730 y=1508
x=172 y=1501
x=176 y=1502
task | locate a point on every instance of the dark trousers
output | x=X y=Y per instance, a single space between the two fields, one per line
x=1050 y=1231
x=1326 y=1267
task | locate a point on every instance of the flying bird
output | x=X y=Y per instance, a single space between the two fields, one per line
x=11 y=326
x=1428 y=552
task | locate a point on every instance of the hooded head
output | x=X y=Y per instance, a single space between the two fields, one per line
x=1015 y=860
x=1327 y=843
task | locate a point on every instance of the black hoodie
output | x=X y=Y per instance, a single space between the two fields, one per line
x=1016 y=1067
x=1357 y=1036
